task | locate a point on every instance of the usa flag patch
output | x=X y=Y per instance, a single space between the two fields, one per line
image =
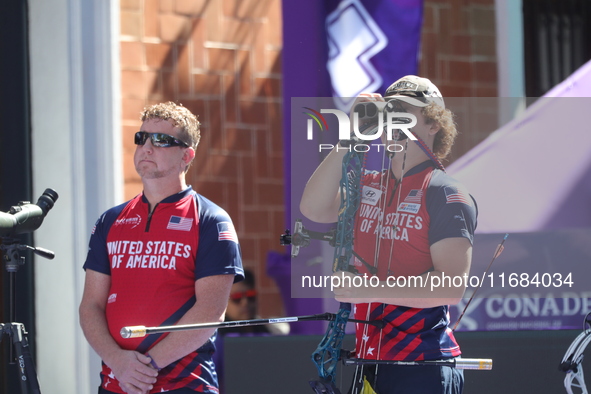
x=453 y=195
x=414 y=196
x=226 y=232
x=179 y=223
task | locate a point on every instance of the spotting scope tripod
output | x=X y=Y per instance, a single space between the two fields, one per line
x=24 y=218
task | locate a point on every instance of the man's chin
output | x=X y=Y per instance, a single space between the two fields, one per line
x=146 y=170
x=149 y=175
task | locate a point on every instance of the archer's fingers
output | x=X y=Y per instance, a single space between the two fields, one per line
x=142 y=358
x=342 y=274
x=145 y=368
x=146 y=376
x=365 y=98
x=139 y=384
x=371 y=96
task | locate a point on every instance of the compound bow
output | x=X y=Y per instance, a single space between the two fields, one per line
x=328 y=353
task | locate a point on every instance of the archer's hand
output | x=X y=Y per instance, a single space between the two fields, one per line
x=134 y=372
x=348 y=292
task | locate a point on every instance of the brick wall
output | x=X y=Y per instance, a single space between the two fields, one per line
x=220 y=59
x=458 y=54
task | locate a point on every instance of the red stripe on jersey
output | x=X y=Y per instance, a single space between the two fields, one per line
x=408 y=349
x=183 y=375
x=391 y=348
x=404 y=317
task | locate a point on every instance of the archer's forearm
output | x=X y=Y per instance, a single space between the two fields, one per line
x=211 y=295
x=178 y=344
x=320 y=201
x=94 y=326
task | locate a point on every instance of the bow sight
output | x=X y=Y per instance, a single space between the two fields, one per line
x=301 y=238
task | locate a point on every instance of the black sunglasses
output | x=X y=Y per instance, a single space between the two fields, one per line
x=159 y=140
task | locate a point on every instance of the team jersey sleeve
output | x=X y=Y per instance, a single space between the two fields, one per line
x=452 y=211
x=97 y=258
x=218 y=252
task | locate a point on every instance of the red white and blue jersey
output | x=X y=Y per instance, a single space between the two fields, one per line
x=396 y=225
x=154 y=260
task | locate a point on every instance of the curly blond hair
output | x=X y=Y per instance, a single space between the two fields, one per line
x=445 y=137
x=178 y=115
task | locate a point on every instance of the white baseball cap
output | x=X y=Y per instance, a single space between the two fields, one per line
x=416 y=91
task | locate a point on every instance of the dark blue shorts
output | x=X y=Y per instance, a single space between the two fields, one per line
x=400 y=379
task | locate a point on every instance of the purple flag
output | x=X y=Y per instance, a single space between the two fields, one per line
x=371 y=44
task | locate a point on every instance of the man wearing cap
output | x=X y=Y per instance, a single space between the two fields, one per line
x=418 y=223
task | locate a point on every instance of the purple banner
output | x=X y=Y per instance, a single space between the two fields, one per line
x=371 y=44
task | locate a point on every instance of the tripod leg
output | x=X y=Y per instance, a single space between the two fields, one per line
x=26 y=366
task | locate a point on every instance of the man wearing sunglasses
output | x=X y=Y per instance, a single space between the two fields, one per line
x=168 y=256
x=413 y=221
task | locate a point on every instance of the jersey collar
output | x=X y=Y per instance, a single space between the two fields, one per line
x=173 y=198
x=416 y=169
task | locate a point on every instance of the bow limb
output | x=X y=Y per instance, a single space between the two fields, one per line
x=571 y=362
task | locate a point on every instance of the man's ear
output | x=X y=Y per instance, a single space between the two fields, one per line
x=188 y=156
x=434 y=127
